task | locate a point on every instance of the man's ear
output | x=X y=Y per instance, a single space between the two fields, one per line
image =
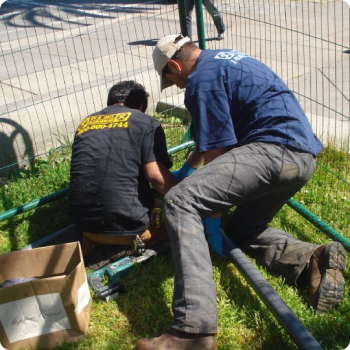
x=175 y=65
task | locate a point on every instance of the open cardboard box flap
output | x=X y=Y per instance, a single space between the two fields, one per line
x=53 y=308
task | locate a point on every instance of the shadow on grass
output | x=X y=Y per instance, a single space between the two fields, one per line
x=145 y=311
x=252 y=313
x=147 y=303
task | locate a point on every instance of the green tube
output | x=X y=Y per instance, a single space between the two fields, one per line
x=34 y=204
x=182 y=15
x=308 y=215
x=200 y=24
x=317 y=222
x=62 y=193
x=181 y=147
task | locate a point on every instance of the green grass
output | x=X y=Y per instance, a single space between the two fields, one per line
x=46 y=176
x=145 y=310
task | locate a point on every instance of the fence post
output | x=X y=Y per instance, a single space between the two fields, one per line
x=182 y=15
x=200 y=24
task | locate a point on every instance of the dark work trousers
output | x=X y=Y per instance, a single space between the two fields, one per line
x=258 y=179
x=212 y=10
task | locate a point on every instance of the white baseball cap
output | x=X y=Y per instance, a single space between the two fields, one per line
x=162 y=53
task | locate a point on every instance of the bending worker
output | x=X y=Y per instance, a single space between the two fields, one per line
x=259 y=150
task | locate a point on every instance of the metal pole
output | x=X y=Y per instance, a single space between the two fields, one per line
x=34 y=204
x=200 y=24
x=182 y=15
x=63 y=193
x=49 y=238
x=276 y=305
x=317 y=222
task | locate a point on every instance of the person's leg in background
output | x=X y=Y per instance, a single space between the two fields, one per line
x=216 y=16
x=189 y=5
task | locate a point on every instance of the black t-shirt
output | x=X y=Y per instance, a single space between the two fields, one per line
x=108 y=189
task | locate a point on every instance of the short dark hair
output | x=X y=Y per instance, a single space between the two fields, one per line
x=132 y=94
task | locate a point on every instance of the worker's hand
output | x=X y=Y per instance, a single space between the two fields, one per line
x=184 y=171
x=212 y=232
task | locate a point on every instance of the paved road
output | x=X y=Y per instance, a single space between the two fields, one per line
x=60 y=60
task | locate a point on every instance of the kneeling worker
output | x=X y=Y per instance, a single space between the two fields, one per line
x=118 y=155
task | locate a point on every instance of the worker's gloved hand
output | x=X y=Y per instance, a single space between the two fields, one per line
x=184 y=171
x=212 y=232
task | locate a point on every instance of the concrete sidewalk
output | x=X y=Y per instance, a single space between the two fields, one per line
x=54 y=80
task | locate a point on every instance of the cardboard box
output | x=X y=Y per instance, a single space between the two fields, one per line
x=51 y=309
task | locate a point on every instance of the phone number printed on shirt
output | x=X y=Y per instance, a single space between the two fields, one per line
x=98 y=122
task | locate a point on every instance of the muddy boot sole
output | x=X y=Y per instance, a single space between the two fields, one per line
x=331 y=290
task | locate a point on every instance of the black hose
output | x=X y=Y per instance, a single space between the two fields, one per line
x=268 y=295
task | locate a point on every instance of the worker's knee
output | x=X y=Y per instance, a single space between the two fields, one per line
x=174 y=198
x=169 y=199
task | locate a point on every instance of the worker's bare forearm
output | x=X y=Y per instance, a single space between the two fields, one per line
x=160 y=177
x=195 y=159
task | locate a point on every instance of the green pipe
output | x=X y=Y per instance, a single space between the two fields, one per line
x=317 y=222
x=31 y=205
x=62 y=193
x=181 y=147
x=182 y=15
x=200 y=24
x=200 y=21
x=308 y=215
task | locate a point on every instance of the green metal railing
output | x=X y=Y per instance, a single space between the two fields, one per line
x=284 y=315
x=186 y=143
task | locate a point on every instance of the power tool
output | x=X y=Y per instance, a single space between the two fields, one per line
x=115 y=270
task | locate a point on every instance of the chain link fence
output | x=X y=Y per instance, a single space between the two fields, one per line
x=59 y=58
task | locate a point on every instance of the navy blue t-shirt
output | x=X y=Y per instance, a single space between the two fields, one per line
x=235 y=99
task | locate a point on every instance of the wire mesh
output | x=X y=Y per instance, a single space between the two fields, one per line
x=59 y=58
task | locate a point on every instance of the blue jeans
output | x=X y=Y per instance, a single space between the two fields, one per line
x=212 y=10
x=258 y=179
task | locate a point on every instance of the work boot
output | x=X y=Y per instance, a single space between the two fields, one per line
x=176 y=340
x=325 y=280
